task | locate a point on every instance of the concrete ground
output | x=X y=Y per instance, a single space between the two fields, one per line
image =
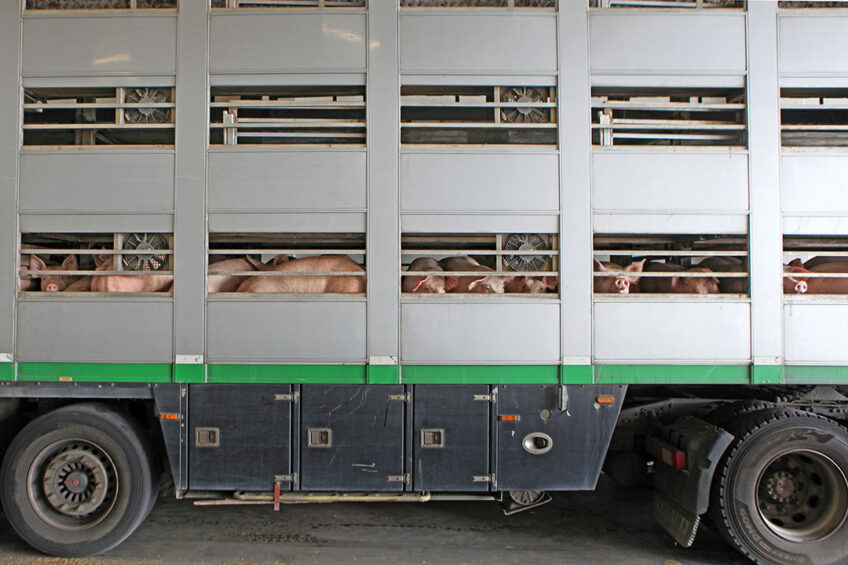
x=608 y=526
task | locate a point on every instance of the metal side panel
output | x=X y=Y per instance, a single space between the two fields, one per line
x=652 y=223
x=130 y=330
x=450 y=439
x=285 y=331
x=92 y=181
x=647 y=180
x=557 y=438
x=814 y=331
x=286 y=180
x=814 y=182
x=696 y=331
x=137 y=44
x=476 y=182
x=495 y=43
x=488 y=333
x=283 y=41
x=306 y=222
x=352 y=437
x=239 y=436
x=813 y=44
x=637 y=43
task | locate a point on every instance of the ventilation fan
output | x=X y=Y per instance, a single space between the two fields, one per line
x=145 y=261
x=147 y=115
x=524 y=95
x=525 y=242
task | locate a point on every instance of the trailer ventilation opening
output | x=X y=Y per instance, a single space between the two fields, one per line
x=516 y=263
x=286 y=263
x=138 y=115
x=815 y=265
x=325 y=115
x=688 y=117
x=96 y=262
x=814 y=117
x=670 y=264
x=478 y=115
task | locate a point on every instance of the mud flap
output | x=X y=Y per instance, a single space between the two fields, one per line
x=681 y=496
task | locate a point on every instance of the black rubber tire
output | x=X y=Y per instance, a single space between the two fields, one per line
x=118 y=440
x=763 y=437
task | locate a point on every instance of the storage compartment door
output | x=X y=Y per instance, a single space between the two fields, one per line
x=451 y=437
x=239 y=436
x=352 y=437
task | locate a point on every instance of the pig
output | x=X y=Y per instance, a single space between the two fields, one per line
x=482 y=284
x=533 y=285
x=230 y=283
x=797 y=283
x=830 y=285
x=58 y=282
x=679 y=285
x=620 y=284
x=309 y=284
x=430 y=283
x=732 y=285
x=126 y=283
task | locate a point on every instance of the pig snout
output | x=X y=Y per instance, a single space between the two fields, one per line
x=623 y=285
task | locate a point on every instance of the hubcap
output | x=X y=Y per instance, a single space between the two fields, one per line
x=72 y=484
x=802 y=496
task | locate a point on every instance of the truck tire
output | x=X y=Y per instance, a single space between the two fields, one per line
x=780 y=494
x=77 y=481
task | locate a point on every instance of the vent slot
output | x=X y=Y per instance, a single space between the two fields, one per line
x=668 y=117
x=478 y=115
x=327 y=115
x=814 y=118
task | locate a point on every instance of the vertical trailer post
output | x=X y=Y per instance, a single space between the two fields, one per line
x=766 y=242
x=383 y=237
x=192 y=117
x=10 y=91
x=575 y=191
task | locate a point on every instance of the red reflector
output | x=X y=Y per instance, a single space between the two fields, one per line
x=511 y=418
x=666 y=453
x=169 y=416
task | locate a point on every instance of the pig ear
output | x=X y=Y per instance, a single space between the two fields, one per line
x=36 y=264
x=795 y=263
x=598 y=266
x=70 y=263
x=451 y=282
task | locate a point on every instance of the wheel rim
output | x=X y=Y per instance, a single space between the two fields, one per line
x=72 y=484
x=802 y=496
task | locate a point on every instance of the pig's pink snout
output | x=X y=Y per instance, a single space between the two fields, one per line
x=623 y=285
x=801 y=287
x=52 y=287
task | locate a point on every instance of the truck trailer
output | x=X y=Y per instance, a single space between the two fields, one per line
x=289 y=251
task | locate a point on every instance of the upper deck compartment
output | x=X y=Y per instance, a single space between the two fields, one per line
x=123 y=37
x=274 y=36
x=812 y=43
x=497 y=37
x=634 y=37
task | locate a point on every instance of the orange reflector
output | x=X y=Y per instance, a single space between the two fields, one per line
x=606 y=399
x=169 y=416
x=66 y=379
x=511 y=418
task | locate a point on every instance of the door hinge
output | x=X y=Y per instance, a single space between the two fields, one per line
x=402 y=397
x=398 y=478
x=286 y=478
x=288 y=397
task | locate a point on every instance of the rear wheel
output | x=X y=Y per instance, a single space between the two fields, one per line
x=781 y=491
x=77 y=481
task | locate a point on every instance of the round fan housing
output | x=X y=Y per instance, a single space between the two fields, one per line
x=144 y=115
x=525 y=242
x=524 y=95
x=150 y=261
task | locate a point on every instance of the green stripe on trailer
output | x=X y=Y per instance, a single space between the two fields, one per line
x=95 y=372
x=480 y=374
x=328 y=374
x=672 y=374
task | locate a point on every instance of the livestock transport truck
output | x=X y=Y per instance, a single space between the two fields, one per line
x=627 y=223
